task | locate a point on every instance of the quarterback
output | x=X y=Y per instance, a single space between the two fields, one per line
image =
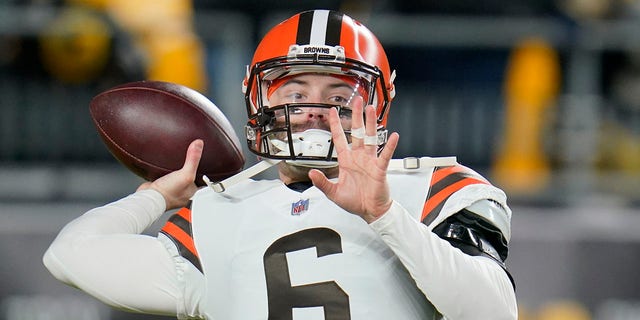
x=346 y=232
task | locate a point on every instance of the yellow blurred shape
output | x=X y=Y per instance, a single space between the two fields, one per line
x=531 y=86
x=76 y=46
x=621 y=148
x=163 y=29
x=151 y=16
x=563 y=310
x=95 y=4
x=525 y=313
x=177 y=59
x=619 y=159
x=532 y=74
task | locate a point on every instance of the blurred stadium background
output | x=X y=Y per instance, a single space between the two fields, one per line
x=542 y=96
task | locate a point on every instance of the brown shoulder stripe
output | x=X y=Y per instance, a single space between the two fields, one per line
x=445 y=182
x=178 y=229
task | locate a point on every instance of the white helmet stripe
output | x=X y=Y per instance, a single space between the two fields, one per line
x=319 y=27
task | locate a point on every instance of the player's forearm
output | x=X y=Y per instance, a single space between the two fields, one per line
x=130 y=215
x=459 y=286
x=103 y=254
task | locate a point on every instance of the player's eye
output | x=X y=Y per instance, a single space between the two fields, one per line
x=295 y=110
x=295 y=97
x=338 y=100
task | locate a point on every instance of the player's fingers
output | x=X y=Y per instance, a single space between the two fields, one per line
x=337 y=133
x=192 y=159
x=371 y=137
x=357 y=123
x=387 y=153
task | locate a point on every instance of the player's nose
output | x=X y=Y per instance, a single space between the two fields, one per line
x=317 y=114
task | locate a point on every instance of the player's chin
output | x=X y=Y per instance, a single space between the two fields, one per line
x=301 y=168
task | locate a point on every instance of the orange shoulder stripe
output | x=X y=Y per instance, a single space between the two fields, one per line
x=442 y=172
x=444 y=183
x=185 y=213
x=180 y=235
x=444 y=194
x=179 y=229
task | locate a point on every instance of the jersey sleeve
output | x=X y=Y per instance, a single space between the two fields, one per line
x=460 y=286
x=177 y=236
x=104 y=254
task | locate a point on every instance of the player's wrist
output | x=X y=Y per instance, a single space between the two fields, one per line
x=154 y=195
x=382 y=210
x=388 y=217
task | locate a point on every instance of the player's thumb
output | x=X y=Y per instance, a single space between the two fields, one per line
x=321 y=182
x=194 y=154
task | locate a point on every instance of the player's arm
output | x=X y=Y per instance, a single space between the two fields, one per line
x=461 y=283
x=482 y=288
x=103 y=253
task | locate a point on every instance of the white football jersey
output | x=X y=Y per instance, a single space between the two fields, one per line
x=262 y=251
x=269 y=252
x=265 y=251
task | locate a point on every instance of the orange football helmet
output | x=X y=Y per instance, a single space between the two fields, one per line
x=315 y=42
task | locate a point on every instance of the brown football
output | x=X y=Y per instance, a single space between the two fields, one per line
x=148 y=125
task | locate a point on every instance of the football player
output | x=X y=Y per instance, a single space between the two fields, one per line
x=347 y=232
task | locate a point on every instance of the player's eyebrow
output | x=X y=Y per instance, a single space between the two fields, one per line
x=298 y=81
x=295 y=81
x=341 y=85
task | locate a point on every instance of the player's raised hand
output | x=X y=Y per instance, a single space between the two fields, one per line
x=178 y=186
x=362 y=187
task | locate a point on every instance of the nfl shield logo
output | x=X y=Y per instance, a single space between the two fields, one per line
x=298 y=207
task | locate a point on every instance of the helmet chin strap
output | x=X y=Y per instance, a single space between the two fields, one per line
x=220 y=186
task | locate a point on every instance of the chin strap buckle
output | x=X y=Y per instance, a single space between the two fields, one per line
x=415 y=163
